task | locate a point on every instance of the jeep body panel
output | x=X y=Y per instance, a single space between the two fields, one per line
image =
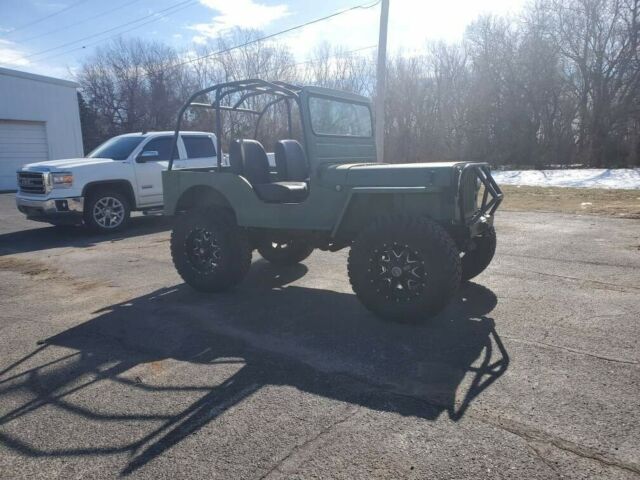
x=341 y=196
x=317 y=212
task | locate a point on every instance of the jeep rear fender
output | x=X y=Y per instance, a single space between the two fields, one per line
x=201 y=196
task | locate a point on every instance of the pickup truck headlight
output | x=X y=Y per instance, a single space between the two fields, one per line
x=62 y=180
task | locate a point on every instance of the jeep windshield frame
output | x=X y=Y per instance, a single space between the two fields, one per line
x=245 y=89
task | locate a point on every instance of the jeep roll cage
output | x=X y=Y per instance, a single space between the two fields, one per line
x=282 y=91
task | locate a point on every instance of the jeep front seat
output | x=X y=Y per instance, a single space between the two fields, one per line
x=256 y=171
x=291 y=161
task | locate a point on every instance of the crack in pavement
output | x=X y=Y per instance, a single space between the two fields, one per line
x=302 y=446
x=610 y=286
x=571 y=350
x=530 y=434
x=544 y=459
x=568 y=260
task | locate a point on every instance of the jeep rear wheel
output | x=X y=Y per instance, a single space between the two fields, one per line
x=475 y=261
x=106 y=211
x=404 y=269
x=209 y=251
x=285 y=253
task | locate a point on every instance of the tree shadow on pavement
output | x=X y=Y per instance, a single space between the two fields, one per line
x=318 y=341
x=46 y=237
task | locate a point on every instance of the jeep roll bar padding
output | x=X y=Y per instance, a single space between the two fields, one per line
x=253 y=87
x=488 y=206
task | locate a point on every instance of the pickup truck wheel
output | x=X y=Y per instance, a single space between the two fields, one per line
x=106 y=211
x=285 y=253
x=475 y=261
x=404 y=269
x=209 y=251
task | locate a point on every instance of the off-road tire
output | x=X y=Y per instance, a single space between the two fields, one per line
x=425 y=242
x=290 y=253
x=100 y=195
x=475 y=261
x=234 y=259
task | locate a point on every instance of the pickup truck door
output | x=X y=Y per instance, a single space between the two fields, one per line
x=152 y=159
x=200 y=151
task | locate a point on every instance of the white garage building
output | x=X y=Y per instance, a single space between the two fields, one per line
x=39 y=120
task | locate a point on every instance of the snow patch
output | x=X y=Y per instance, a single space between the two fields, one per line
x=626 y=178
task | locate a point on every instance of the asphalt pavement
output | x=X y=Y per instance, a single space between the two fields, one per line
x=111 y=367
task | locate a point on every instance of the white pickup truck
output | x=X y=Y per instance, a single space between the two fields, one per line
x=101 y=190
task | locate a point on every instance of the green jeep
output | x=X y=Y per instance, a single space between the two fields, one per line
x=415 y=231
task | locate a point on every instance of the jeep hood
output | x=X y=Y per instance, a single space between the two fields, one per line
x=389 y=175
x=69 y=163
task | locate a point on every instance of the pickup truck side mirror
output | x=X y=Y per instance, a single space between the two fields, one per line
x=148 y=155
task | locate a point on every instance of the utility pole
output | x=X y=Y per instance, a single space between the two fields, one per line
x=381 y=78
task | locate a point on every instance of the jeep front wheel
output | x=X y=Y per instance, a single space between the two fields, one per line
x=285 y=253
x=403 y=268
x=210 y=252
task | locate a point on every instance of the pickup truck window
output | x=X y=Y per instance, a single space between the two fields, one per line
x=344 y=119
x=118 y=148
x=198 y=146
x=162 y=145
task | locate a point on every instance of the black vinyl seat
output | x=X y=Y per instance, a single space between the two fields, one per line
x=282 y=192
x=291 y=161
x=248 y=158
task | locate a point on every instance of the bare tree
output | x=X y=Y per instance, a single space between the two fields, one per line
x=557 y=85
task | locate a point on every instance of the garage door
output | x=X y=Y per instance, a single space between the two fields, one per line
x=20 y=143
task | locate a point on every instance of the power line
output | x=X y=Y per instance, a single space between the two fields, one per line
x=119 y=34
x=311 y=62
x=102 y=14
x=335 y=14
x=160 y=14
x=281 y=32
x=46 y=17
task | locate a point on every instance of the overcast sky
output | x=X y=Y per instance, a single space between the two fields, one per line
x=51 y=37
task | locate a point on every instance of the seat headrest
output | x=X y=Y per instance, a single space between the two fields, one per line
x=236 y=161
x=256 y=162
x=253 y=149
x=291 y=161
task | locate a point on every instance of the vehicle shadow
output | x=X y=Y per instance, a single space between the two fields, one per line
x=47 y=237
x=318 y=341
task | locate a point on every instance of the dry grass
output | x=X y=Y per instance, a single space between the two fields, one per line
x=28 y=267
x=591 y=201
x=43 y=271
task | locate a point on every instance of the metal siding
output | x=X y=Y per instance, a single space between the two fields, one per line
x=56 y=105
x=20 y=143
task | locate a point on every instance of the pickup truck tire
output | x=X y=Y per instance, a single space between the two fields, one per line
x=475 y=261
x=106 y=210
x=404 y=268
x=210 y=252
x=285 y=254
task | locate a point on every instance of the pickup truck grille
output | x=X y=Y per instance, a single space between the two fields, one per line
x=31 y=182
